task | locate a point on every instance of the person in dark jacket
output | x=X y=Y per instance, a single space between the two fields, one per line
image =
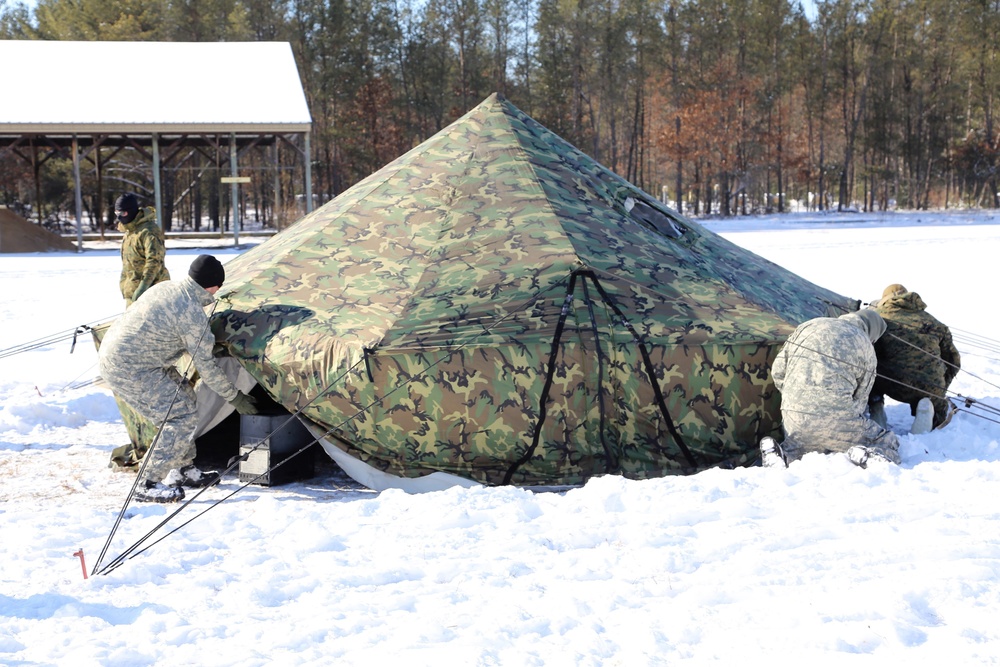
x=137 y=359
x=824 y=372
x=917 y=359
x=143 y=248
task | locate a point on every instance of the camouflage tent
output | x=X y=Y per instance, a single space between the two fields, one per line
x=496 y=305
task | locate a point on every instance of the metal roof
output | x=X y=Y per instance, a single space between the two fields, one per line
x=56 y=87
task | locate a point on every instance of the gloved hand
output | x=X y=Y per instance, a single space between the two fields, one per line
x=245 y=405
x=142 y=287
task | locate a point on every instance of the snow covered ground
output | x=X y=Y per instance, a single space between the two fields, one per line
x=820 y=564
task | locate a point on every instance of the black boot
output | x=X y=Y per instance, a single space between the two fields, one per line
x=157 y=492
x=191 y=477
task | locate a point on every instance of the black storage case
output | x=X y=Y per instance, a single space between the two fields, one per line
x=279 y=436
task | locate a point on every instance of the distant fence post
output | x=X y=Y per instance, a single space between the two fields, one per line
x=156 y=180
x=235 y=191
x=308 y=176
x=78 y=196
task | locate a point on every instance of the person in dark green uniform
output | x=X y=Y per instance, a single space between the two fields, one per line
x=917 y=359
x=143 y=248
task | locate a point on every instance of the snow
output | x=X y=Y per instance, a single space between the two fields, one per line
x=823 y=563
x=203 y=80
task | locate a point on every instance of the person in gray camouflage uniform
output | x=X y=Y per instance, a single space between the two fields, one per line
x=824 y=372
x=143 y=248
x=137 y=358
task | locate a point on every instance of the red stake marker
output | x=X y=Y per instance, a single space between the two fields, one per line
x=83 y=565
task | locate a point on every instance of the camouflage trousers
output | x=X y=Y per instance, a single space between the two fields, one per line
x=827 y=434
x=152 y=393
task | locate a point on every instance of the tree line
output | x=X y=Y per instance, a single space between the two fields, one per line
x=721 y=106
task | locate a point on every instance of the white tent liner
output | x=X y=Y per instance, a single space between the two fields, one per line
x=165 y=87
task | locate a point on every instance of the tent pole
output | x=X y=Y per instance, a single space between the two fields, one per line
x=78 y=198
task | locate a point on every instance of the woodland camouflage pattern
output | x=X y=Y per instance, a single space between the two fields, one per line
x=143 y=255
x=137 y=357
x=918 y=351
x=470 y=308
x=824 y=373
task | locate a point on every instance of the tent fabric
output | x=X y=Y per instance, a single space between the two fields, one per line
x=497 y=305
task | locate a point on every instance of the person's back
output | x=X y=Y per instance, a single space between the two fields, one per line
x=824 y=372
x=153 y=332
x=916 y=357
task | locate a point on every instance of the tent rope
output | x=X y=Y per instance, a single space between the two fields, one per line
x=943 y=392
x=976 y=341
x=46 y=341
x=650 y=371
x=135 y=484
x=936 y=357
x=75 y=383
x=612 y=462
x=543 y=399
x=152 y=446
x=134 y=550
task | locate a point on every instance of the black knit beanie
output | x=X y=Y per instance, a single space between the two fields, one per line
x=207 y=271
x=127 y=206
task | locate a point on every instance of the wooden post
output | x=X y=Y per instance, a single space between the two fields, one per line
x=38 y=186
x=156 y=180
x=308 y=176
x=276 y=201
x=235 y=189
x=78 y=197
x=100 y=190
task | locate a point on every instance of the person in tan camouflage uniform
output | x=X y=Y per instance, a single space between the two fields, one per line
x=824 y=372
x=143 y=248
x=917 y=358
x=137 y=358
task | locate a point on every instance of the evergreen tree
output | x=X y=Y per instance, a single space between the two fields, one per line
x=103 y=20
x=732 y=104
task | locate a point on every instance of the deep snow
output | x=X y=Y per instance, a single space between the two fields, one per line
x=823 y=563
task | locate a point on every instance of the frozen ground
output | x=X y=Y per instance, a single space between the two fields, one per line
x=823 y=563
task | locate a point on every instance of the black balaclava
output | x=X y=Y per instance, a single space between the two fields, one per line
x=126 y=208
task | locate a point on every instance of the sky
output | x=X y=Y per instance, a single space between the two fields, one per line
x=30 y=4
x=823 y=563
x=809 y=7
